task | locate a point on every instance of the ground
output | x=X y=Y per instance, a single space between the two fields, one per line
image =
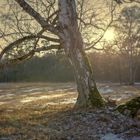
x=43 y=111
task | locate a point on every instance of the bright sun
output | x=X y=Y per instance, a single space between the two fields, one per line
x=109 y=35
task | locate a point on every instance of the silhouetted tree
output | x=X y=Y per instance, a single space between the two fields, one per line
x=129 y=39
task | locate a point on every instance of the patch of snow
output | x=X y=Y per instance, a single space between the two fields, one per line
x=35 y=93
x=104 y=90
x=69 y=101
x=111 y=136
x=51 y=96
x=66 y=101
x=119 y=99
x=1 y=103
x=33 y=89
x=136 y=138
x=6 y=95
x=137 y=83
x=52 y=103
x=27 y=100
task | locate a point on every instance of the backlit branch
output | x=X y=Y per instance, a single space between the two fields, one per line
x=28 y=55
x=94 y=43
x=28 y=9
x=126 y=1
x=25 y=38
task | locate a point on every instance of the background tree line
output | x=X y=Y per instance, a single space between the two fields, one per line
x=117 y=61
x=56 y=68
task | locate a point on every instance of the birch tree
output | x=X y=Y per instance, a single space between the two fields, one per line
x=55 y=25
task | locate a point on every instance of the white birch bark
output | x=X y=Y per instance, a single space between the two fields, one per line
x=73 y=45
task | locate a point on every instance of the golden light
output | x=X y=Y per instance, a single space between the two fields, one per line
x=109 y=35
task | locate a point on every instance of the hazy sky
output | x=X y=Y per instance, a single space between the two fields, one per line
x=2 y=1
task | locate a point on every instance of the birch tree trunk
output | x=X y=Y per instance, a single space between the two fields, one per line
x=73 y=45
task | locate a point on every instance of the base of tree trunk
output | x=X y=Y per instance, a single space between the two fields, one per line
x=94 y=100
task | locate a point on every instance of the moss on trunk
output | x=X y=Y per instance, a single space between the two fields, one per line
x=95 y=98
x=92 y=100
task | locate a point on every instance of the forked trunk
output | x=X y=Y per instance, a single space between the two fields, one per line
x=73 y=44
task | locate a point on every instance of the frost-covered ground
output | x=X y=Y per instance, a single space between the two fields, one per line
x=43 y=111
x=19 y=94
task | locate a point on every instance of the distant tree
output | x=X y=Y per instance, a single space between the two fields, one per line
x=129 y=39
x=56 y=25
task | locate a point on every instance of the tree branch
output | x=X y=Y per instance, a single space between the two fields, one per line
x=27 y=56
x=28 y=9
x=30 y=37
x=93 y=43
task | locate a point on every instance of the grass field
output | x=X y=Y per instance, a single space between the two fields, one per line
x=25 y=107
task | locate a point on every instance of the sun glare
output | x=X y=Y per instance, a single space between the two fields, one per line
x=109 y=35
